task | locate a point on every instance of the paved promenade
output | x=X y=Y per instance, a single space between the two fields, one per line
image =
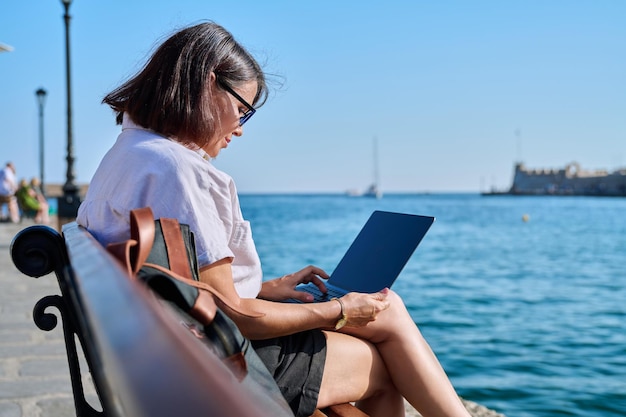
x=34 y=374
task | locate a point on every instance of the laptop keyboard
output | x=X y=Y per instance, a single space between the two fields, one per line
x=318 y=296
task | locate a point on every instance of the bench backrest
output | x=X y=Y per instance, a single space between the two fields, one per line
x=142 y=361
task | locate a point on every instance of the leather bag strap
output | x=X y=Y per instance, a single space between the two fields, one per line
x=142 y=231
x=133 y=252
x=121 y=252
x=201 y=285
x=176 y=250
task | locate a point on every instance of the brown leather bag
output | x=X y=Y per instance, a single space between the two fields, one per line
x=161 y=253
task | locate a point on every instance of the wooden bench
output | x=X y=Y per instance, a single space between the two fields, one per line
x=141 y=360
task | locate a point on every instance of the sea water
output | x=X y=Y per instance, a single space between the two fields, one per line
x=523 y=299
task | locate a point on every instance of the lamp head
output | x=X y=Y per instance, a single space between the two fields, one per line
x=66 y=2
x=41 y=95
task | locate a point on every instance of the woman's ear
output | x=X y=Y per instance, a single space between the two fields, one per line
x=212 y=87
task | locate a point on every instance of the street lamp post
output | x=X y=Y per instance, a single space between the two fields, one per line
x=41 y=99
x=69 y=202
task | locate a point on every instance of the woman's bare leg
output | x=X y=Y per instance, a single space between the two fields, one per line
x=14 y=211
x=410 y=362
x=44 y=208
x=355 y=371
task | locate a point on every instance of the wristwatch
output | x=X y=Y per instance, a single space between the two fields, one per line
x=343 y=320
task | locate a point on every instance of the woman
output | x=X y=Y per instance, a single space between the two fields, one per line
x=30 y=202
x=35 y=185
x=185 y=106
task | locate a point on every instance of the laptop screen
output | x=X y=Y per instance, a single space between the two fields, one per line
x=380 y=251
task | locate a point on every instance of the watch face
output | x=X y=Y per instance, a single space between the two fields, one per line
x=340 y=323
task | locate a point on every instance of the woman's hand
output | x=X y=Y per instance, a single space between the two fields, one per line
x=360 y=308
x=283 y=288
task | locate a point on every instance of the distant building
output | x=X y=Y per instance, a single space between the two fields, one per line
x=571 y=180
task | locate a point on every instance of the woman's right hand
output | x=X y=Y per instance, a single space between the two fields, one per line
x=361 y=308
x=283 y=288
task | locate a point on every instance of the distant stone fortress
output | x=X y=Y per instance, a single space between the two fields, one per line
x=571 y=180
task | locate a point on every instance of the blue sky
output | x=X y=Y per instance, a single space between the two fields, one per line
x=453 y=91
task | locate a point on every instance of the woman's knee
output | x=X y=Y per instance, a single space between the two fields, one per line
x=397 y=313
x=395 y=300
x=392 y=322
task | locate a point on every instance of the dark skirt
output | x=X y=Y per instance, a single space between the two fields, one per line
x=297 y=364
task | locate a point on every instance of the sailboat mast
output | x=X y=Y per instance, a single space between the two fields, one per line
x=375 y=188
x=376 y=162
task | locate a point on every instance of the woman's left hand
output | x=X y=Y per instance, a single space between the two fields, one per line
x=283 y=288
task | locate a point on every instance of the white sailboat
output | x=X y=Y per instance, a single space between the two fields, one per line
x=374 y=189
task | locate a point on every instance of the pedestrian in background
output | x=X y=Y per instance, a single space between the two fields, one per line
x=8 y=188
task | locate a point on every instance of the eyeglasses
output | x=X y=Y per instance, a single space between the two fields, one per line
x=251 y=110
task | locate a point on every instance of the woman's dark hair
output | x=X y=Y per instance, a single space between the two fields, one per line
x=170 y=95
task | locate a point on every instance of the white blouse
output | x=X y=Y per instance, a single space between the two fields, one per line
x=144 y=169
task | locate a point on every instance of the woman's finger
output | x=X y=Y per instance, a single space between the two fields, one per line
x=319 y=283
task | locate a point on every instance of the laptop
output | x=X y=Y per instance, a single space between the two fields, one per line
x=376 y=257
